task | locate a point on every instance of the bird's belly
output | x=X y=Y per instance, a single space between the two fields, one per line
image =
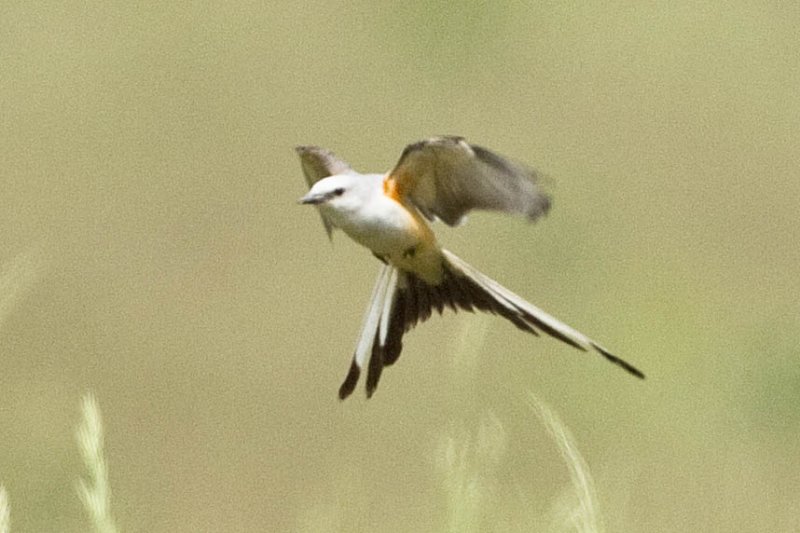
x=395 y=235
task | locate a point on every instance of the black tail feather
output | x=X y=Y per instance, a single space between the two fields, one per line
x=618 y=361
x=375 y=368
x=415 y=300
x=350 y=381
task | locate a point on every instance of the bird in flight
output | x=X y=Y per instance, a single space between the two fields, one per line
x=438 y=178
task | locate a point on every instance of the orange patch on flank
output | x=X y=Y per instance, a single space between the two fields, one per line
x=392 y=189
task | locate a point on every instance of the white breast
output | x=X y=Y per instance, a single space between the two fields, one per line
x=382 y=225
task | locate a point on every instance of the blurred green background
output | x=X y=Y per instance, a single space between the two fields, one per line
x=152 y=252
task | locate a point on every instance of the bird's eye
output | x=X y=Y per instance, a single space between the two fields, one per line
x=338 y=192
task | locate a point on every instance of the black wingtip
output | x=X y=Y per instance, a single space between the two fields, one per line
x=349 y=384
x=620 y=362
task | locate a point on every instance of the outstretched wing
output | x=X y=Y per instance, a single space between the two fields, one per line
x=447 y=177
x=318 y=163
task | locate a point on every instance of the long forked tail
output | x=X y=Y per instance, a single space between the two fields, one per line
x=400 y=300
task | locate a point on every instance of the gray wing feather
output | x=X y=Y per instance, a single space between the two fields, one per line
x=446 y=177
x=318 y=163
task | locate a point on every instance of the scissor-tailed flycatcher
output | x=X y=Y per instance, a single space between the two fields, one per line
x=441 y=177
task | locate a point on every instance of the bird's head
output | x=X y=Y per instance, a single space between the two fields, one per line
x=342 y=192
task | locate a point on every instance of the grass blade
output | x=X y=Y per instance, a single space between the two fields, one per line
x=94 y=492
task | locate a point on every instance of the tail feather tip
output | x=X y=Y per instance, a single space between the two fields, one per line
x=619 y=361
x=350 y=381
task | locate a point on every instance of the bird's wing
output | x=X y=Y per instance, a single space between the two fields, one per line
x=446 y=177
x=320 y=163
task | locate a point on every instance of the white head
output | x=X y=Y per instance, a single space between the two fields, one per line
x=341 y=193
